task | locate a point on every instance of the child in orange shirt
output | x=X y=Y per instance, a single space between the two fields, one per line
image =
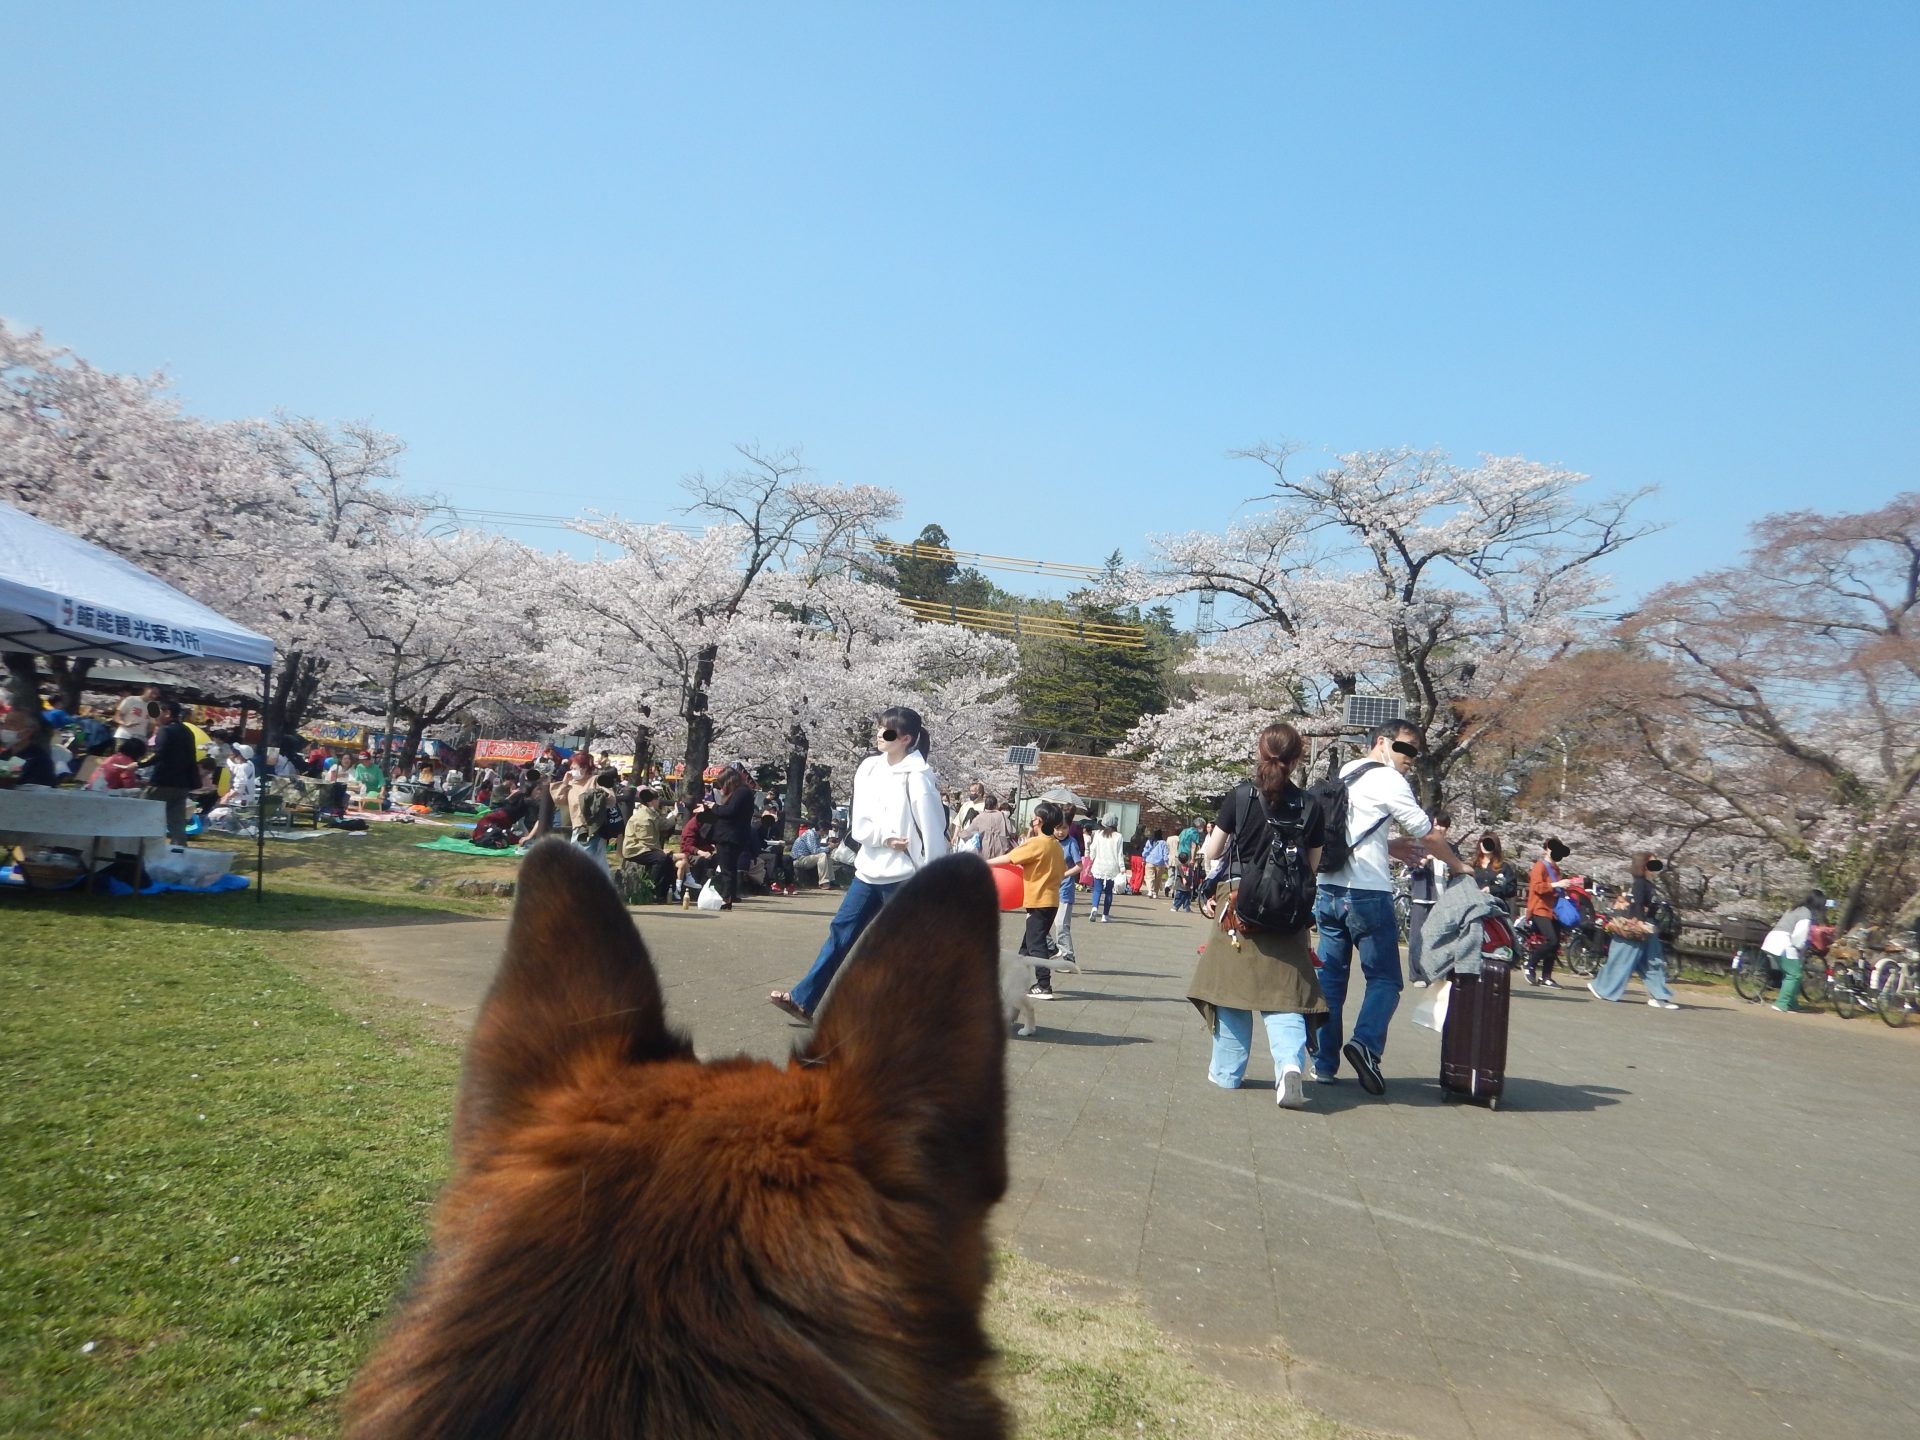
x=1042 y=865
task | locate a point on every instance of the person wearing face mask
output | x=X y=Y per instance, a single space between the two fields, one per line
x=26 y=738
x=897 y=824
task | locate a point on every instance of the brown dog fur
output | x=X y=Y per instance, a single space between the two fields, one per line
x=634 y=1243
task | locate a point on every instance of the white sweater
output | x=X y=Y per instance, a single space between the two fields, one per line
x=1109 y=853
x=895 y=802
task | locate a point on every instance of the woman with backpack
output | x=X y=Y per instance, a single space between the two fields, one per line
x=1269 y=968
x=1643 y=952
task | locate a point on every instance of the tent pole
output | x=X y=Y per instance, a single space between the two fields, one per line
x=260 y=776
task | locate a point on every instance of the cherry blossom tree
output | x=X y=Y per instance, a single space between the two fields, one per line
x=252 y=517
x=781 y=519
x=1778 y=700
x=439 y=627
x=1399 y=573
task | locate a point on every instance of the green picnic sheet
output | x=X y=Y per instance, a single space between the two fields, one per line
x=466 y=847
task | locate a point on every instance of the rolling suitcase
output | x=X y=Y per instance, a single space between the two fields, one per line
x=1473 y=1044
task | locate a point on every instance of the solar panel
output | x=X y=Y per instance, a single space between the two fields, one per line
x=1023 y=755
x=1366 y=711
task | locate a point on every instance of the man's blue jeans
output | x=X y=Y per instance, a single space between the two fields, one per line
x=857 y=908
x=1351 y=920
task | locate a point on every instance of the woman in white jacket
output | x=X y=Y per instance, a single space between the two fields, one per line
x=1787 y=943
x=898 y=825
x=1109 y=854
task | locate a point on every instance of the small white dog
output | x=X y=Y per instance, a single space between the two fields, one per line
x=1016 y=977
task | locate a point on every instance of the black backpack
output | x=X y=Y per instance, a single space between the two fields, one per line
x=1279 y=895
x=1331 y=794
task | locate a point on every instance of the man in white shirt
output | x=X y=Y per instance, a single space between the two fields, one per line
x=1354 y=907
x=134 y=716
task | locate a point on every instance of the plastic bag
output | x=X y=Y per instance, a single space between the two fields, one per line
x=1432 y=1011
x=709 y=897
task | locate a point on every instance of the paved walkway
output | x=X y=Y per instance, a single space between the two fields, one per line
x=1687 y=1224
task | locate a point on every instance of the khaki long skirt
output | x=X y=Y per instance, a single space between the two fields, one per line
x=1269 y=973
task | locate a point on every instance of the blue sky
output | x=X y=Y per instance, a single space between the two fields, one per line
x=1036 y=267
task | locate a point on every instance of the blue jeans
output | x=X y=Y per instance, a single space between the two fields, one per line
x=1360 y=920
x=1062 y=932
x=1102 y=903
x=1626 y=956
x=857 y=908
x=1233 y=1030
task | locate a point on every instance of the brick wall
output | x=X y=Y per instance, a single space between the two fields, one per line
x=1099 y=778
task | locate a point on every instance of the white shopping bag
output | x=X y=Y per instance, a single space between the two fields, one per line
x=1432 y=1011
x=709 y=897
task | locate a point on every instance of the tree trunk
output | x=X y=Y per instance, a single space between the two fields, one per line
x=23 y=682
x=797 y=748
x=71 y=677
x=410 y=750
x=699 y=721
x=295 y=685
x=819 y=801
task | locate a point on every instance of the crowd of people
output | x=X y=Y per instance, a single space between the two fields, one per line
x=669 y=843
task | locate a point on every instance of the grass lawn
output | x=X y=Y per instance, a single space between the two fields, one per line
x=220 y=1155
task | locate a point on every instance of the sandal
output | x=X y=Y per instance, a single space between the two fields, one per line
x=781 y=1000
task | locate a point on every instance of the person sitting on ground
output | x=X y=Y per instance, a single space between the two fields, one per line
x=644 y=842
x=121 y=769
x=97 y=754
x=809 y=860
x=367 y=779
x=1041 y=863
x=695 y=861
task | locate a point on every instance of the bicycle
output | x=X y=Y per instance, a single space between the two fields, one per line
x=1755 y=972
x=1898 y=996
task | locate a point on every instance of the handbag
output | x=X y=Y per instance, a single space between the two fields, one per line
x=1567 y=912
x=710 y=898
x=1625 y=927
x=845 y=854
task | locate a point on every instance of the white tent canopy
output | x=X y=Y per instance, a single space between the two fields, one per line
x=60 y=595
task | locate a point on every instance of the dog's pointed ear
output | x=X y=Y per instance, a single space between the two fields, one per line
x=575 y=975
x=914 y=1039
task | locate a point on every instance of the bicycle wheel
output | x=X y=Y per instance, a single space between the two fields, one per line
x=1813 y=983
x=1750 y=975
x=1891 y=1002
x=1842 y=993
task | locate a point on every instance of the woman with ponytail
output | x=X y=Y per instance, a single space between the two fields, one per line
x=1247 y=969
x=897 y=823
